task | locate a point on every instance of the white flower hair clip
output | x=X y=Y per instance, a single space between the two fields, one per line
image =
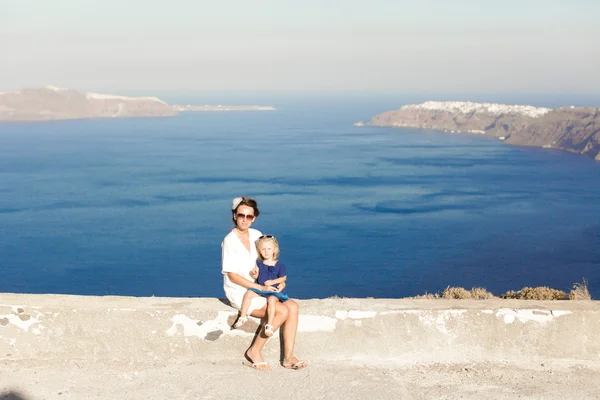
x=236 y=202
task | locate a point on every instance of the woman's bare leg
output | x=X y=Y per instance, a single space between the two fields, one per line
x=289 y=328
x=289 y=333
x=254 y=352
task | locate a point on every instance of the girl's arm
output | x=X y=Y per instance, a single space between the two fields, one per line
x=254 y=273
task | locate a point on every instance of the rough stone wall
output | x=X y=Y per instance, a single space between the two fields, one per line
x=366 y=330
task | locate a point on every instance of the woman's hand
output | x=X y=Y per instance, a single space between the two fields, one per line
x=281 y=287
x=269 y=288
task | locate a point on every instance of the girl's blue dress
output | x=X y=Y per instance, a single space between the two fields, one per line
x=267 y=272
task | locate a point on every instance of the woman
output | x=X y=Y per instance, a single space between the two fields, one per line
x=239 y=258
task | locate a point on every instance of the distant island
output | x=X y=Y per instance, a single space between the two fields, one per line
x=223 y=108
x=574 y=129
x=53 y=103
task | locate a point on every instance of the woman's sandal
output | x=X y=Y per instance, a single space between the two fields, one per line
x=269 y=330
x=261 y=366
x=241 y=321
x=297 y=365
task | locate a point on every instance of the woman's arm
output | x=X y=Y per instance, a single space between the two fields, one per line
x=240 y=280
x=272 y=282
x=280 y=287
x=230 y=267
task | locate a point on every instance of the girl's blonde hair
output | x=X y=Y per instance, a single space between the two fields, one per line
x=272 y=239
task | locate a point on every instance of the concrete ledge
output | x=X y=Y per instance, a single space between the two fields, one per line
x=367 y=331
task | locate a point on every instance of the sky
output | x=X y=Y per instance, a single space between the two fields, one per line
x=438 y=46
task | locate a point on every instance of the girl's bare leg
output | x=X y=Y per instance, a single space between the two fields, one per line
x=254 y=352
x=248 y=296
x=243 y=317
x=271 y=304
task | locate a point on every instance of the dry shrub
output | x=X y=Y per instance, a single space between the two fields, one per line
x=428 y=296
x=476 y=293
x=580 y=291
x=537 y=293
x=456 y=293
x=480 y=293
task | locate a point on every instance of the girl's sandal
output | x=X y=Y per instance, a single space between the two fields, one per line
x=269 y=330
x=241 y=321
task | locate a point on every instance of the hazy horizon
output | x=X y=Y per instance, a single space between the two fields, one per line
x=380 y=46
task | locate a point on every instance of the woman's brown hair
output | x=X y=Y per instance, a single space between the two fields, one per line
x=245 y=201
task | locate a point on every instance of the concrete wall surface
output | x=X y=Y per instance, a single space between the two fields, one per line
x=368 y=331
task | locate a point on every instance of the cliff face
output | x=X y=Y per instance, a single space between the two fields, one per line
x=568 y=128
x=51 y=103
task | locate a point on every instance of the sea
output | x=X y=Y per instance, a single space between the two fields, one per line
x=139 y=206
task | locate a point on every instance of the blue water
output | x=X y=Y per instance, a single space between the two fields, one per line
x=140 y=206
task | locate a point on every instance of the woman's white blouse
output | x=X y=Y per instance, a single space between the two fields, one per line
x=237 y=259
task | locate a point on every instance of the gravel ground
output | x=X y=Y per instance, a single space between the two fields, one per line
x=21 y=380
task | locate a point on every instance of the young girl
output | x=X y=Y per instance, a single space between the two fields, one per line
x=269 y=272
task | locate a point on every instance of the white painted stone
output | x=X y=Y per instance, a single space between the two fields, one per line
x=15 y=309
x=316 y=323
x=16 y=321
x=355 y=314
x=542 y=316
x=191 y=327
x=560 y=313
x=439 y=321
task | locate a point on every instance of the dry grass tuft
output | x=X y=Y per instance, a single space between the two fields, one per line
x=480 y=293
x=476 y=293
x=580 y=291
x=428 y=296
x=537 y=293
x=456 y=293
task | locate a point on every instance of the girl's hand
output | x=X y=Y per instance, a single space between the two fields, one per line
x=254 y=273
x=269 y=282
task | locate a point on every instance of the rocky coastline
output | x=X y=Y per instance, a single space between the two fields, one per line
x=53 y=103
x=575 y=129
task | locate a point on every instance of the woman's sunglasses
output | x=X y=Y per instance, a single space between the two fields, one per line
x=266 y=237
x=247 y=217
